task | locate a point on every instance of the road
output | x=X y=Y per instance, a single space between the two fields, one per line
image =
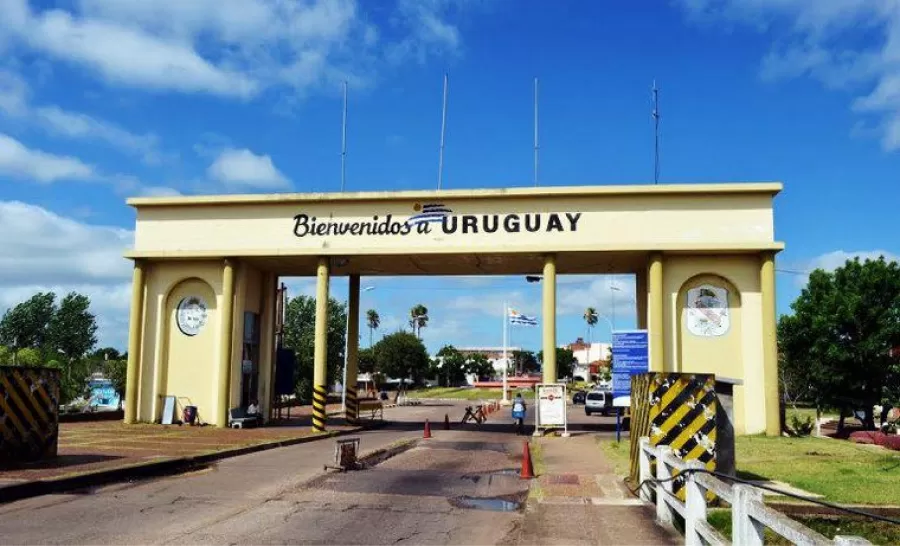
x=281 y=496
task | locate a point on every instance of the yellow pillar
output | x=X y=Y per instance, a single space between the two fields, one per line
x=641 y=296
x=226 y=331
x=351 y=412
x=549 y=345
x=135 y=342
x=320 y=354
x=770 y=346
x=657 y=357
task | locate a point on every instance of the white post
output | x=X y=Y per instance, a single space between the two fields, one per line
x=644 y=468
x=745 y=530
x=505 y=355
x=694 y=504
x=664 y=485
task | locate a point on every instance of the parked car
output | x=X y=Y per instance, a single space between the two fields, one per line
x=598 y=402
x=578 y=397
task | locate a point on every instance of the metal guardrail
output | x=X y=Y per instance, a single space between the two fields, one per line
x=749 y=516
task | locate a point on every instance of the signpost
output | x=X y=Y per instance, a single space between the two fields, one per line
x=550 y=410
x=630 y=351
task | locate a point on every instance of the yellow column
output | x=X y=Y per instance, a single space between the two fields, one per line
x=135 y=342
x=657 y=360
x=770 y=347
x=549 y=345
x=320 y=354
x=226 y=331
x=641 y=297
x=352 y=410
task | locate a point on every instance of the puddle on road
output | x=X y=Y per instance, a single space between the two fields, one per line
x=494 y=505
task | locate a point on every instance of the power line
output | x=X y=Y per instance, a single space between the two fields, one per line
x=443 y=131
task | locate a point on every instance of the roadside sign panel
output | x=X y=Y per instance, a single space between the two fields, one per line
x=630 y=350
x=550 y=405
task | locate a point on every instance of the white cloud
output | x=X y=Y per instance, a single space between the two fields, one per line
x=833 y=260
x=76 y=125
x=73 y=125
x=13 y=94
x=843 y=44
x=18 y=161
x=244 y=169
x=43 y=251
x=236 y=48
x=158 y=191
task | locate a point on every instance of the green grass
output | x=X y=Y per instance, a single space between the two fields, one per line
x=875 y=532
x=841 y=471
x=460 y=393
x=617 y=454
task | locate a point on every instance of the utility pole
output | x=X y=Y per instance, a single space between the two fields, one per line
x=443 y=131
x=344 y=140
x=535 y=131
x=655 y=115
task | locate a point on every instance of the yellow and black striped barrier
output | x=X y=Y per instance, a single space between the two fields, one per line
x=29 y=413
x=320 y=399
x=677 y=410
x=351 y=412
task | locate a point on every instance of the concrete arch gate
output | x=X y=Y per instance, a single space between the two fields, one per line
x=677 y=240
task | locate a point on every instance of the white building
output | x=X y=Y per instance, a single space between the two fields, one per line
x=587 y=356
x=494 y=356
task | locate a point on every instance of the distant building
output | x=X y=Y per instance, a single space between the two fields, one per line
x=590 y=358
x=494 y=356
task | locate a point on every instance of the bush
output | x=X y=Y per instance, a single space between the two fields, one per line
x=304 y=390
x=802 y=428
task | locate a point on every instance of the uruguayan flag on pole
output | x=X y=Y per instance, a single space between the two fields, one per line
x=516 y=317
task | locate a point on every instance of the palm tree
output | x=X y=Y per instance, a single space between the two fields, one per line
x=418 y=318
x=373 y=321
x=591 y=317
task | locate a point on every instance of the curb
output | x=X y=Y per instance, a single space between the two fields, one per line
x=36 y=488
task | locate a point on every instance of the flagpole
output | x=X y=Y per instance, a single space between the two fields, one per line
x=505 y=354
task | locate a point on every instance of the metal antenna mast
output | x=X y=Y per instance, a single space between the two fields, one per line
x=443 y=129
x=535 y=131
x=656 y=116
x=344 y=140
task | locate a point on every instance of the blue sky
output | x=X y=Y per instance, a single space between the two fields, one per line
x=104 y=99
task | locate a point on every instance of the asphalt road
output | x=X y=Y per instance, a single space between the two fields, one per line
x=281 y=496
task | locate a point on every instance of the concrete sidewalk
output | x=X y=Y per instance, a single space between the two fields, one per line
x=577 y=499
x=92 y=453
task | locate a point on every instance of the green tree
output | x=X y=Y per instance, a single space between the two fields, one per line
x=29 y=356
x=366 y=360
x=71 y=332
x=480 y=366
x=26 y=324
x=452 y=366
x=373 y=321
x=591 y=317
x=840 y=335
x=115 y=370
x=107 y=353
x=299 y=335
x=418 y=319
x=565 y=362
x=402 y=355
x=524 y=362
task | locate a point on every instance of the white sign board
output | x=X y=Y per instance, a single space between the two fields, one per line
x=551 y=406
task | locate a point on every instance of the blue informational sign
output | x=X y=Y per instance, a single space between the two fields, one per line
x=630 y=352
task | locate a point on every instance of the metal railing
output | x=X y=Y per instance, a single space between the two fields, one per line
x=749 y=516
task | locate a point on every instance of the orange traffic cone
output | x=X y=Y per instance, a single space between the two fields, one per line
x=427 y=429
x=446 y=422
x=527 y=469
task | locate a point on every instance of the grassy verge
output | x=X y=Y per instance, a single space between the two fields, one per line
x=617 y=453
x=840 y=471
x=874 y=531
x=463 y=393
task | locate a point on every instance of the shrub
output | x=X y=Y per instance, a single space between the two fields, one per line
x=802 y=428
